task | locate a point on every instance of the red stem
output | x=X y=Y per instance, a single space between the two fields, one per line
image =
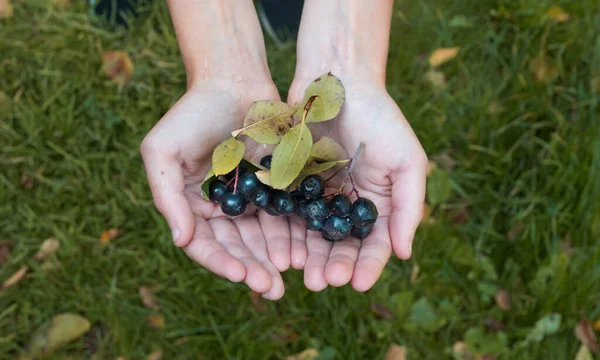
x=237 y=173
x=354 y=187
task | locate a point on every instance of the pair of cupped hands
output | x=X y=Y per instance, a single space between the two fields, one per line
x=256 y=247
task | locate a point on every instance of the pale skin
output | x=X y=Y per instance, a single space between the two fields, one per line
x=225 y=58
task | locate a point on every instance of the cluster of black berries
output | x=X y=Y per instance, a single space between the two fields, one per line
x=336 y=218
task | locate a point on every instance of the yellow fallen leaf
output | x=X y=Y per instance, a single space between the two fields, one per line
x=440 y=56
x=118 y=66
x=16 y=277
x=436 y=78
x=48 y=247
x=6 y=9
x=543 y=70
x=395 y=352
x=156 y=321
x=556 y=13
x=147 y=297
x=156 y=355
x=62 y=329
x=109 y=235
x=308 y=354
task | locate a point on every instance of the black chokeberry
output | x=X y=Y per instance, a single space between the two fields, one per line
x=233 y=204
x=361 y=232
x=216 y=190
x=364 y=212
x=312 y=187
x=283 y=203
x=261 y=197
x=340 y=205
x=266 y=161
x=247 y=183
x=314 y=224
x=271 y=211
x=301 y=206
x=336 y=228
x=317 y=209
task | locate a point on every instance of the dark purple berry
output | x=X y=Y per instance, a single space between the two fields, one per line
x=364 y=212
x=269 y=209
x=233 y=204
x=340 y=205
x=361 y=232
x=216 y=190
x=247 y=183
x=283 y=203
x=337 y=228
x=317 y=209
x=312 y=187
x=261 y=197
x=314 y=224
x=266 y=161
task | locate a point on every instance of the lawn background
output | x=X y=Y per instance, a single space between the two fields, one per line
x=518 y=208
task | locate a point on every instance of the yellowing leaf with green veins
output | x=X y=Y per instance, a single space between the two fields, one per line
x=289 y=157
x=267 y=121
x=210 y=177
x=316 y=169
x=327 y=149
x=264 y=176
x=227 y=155
x=330 y=98
x=61 y=330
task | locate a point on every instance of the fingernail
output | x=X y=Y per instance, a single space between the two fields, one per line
x=175 y=233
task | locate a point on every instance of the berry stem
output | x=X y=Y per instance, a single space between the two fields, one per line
x=354 y=189
x=337 y=172
x=230 y=181
x=237 y=173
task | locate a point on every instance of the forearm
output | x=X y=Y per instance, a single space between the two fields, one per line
x=219 y=40
x=346 y=37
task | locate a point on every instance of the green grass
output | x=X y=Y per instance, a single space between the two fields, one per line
x=535 y=162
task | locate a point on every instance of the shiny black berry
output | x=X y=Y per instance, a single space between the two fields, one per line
x=314 y=224
x=247 y=183
x=283 y=203
x=269 y=209
x=361 y=232
x=301 y=206
x=261 y=197
x=233 y=204
x=317 y=209
x=340 y=205
x=266 y=161
x=336 y=228
x=312 y=187
x=216 y=190
x=364 y=212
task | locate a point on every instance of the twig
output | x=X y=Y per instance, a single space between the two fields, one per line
x=353 y=186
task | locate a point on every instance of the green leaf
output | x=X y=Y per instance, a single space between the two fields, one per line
x=439 y=187
x=547 y=325
x=402 y=303
x=210 y=177
x=264 y=176
x=315 y=169
x=424 y=315
x=289 y=157
x=330 y=98
x=479 y=342
x=267 y=121
x=486 y=266
x=327 y=149
x=227 y=155
x=60 y=330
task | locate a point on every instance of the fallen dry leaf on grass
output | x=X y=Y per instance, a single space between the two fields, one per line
x=503 y=299
x=16 y=277
x=26 y=180
x=381 y=311
x=586 y=335
x=118 y=66
x=5 y=249
x=156 y=355
x=6 y=9
x=556 y=13
x=156 y=321
x=442 y=55
x=147 y=297
x=308 y=354
x=60 y=330
x=395 y=352
x=109 y=235
x=48 y=247
x=257 y=300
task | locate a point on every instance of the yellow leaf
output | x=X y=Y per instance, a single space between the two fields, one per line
x=543 y=70
x=436 y=78
x=147 y=297
x=556 y=13
x=227 y=155
x=156 y=355
x=289 y=157
x=308 y=354
x=156 y=321
x=16 y=277
x=48 y=247
x=330 y=97
x=60 y=330
x=440 y=56
x=395 y=352
x=264 y=176
x=109 y=235
x=267 y=121
x=118 y=66
x=584 y=353
x=326 y=149
x=6 y=9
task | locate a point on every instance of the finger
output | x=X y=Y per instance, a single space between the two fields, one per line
x=226 y=233
x=206 y=251
x=277 y=233
x=165 y=177
x=342 y=259
x=408 y=198
x=375 y=251
x=298 y=233
x=318 y=254
x=252 y=236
